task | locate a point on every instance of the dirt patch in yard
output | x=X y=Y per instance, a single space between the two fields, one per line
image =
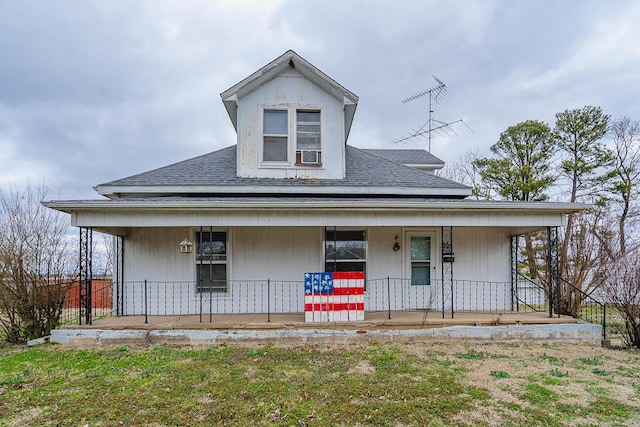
x=527 y=376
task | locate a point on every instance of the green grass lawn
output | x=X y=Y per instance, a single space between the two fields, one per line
x=305 y=385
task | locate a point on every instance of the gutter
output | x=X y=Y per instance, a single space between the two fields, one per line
x=344 y=205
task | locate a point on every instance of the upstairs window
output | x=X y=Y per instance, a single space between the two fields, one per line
x=275 y=133
x=308 y=137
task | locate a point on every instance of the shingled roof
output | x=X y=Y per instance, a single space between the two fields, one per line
x=406 y=156
x=215 y=173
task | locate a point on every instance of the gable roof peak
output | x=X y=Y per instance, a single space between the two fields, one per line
x=289 y=59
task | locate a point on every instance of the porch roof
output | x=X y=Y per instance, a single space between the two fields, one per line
x=115 y=216
x=311 y=202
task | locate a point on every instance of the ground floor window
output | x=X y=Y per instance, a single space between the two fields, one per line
x=345 y=250
x=211 y=261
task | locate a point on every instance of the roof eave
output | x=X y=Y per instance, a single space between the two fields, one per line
x=70 y=206
x=321 y=190
x=425 y=166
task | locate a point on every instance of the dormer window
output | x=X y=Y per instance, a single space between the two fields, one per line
x=275 y=133
x=308 y=137
x=304 y=132
x=292 y=120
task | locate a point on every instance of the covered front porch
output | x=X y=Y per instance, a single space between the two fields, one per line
x=439 y=258
x=388 y=302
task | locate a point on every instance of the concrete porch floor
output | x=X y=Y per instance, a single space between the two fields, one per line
x=373 y=321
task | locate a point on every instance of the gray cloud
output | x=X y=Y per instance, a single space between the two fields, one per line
x=92 y=91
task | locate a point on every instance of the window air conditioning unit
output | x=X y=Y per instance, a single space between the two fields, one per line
x=310 y=157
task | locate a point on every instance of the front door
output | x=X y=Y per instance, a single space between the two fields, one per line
x=420 y=270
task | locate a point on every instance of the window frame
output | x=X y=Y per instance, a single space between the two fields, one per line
x=293 y=153
x=201 y=262
x=337 y=261
x=434 y=254
x=264 y=135
x=298 y=148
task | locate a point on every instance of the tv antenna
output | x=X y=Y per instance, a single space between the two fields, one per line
x=432 y=125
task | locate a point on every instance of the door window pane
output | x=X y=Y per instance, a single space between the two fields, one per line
x=420 y=248
x=420 y=273
x=420 y=260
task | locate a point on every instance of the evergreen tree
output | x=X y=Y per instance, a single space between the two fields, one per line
x=579 y=137
x=521 y=167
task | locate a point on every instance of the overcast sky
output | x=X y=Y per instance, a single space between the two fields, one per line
x=92 y=91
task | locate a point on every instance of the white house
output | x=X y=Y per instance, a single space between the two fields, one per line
x=235 y=230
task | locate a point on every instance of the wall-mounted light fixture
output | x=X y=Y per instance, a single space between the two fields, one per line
x=186 y=247
x=396 y=245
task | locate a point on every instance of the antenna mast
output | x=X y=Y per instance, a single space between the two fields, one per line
x=435 y=94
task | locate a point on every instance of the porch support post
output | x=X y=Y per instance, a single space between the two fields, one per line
x=553 y=270
x=555 y=266
x=447 y=266
x=199 y=286
x=86 y=275
x=118 y=285
x=514 y=273
x=211 y=281
x=82 y=283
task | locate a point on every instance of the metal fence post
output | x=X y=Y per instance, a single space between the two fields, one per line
x=146 y=319
x=388 y=298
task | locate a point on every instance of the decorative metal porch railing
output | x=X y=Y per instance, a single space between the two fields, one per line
x=585 y=306
x=154 y=298
x=76 y=309
x=568 y=299
x=529 y=295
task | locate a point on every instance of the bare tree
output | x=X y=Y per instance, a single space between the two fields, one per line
x=621 y=278
x=37 y=264
x=623 y=180
x=102 y=255
x=107 y=248
x=464 y=171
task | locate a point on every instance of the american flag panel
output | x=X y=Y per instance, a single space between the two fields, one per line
x=334 y=297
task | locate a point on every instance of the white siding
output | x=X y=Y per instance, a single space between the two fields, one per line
x=382 y=261
x=153 y=254
x=482 y=254
x=278 y=253
x=283 y=254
